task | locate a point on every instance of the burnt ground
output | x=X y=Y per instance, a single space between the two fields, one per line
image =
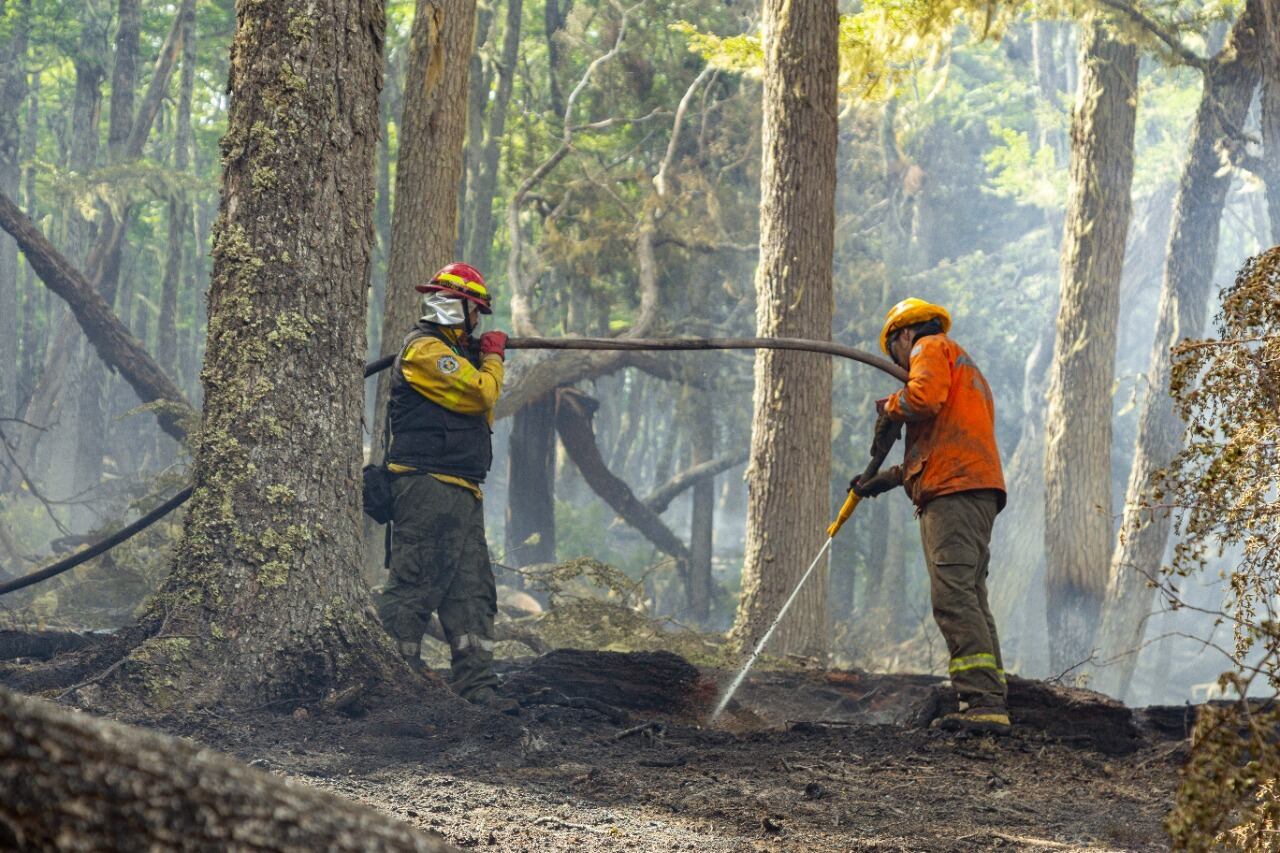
x=804 y=762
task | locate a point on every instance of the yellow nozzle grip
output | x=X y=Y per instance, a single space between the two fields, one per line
x=846 y=510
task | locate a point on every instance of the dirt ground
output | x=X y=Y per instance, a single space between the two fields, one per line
x=804 y=762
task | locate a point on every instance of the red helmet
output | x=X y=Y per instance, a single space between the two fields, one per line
x=463 y=280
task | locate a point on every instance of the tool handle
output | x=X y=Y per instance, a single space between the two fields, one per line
x=846 y=510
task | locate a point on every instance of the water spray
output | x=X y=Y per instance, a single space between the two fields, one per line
x=886 y=434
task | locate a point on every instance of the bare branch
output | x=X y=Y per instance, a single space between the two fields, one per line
x=1176 y=47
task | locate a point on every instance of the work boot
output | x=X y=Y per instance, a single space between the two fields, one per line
x=487 y=697
x=412 y=654
x=989 y=720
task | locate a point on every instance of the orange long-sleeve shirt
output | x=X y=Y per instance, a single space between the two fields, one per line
x=950 y=417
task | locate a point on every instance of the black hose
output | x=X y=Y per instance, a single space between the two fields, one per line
x=380 y=364
x=102 y=545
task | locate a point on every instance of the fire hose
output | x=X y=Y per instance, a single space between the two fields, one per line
x=108 y=542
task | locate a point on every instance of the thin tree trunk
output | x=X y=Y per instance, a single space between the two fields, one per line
x=790 y=470
x=429 y=166
x=480 y=245
x=179 y=205
x=1077 y=473
x=428 y=173
x=480 y=75
x=265 y=600
x=553 y=22
x=36 y=324
x=1188 y=278
x=13 y=90
x=1270 y=114
x=92 y=378
x=71 y=781
x=1017 y=549
x=701 y=518
x=531 y=483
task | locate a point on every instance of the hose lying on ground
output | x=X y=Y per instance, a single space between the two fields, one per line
x=616 y=344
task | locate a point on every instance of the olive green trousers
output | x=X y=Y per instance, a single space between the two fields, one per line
x=440 y=564
x=956 y=533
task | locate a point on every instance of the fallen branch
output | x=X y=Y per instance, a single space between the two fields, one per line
x=99 y=547
x=662 y=497
x=113 y=342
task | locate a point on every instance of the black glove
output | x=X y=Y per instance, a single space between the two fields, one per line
x=887 y=431
x=869 y=487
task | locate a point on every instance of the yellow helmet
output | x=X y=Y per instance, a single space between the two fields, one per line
x=908 y=312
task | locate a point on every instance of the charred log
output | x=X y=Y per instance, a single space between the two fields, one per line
x=69 y=781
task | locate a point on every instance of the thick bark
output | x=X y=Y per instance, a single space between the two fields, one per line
x=105 y=332
x=789 y=474
x=1077 y=473
x=265 y=600
x=480 y=240
x=574 y=411
x=71 y=781
x=531 y=482
x=1229 y=84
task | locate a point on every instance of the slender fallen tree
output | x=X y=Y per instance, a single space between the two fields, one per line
x=113 y=342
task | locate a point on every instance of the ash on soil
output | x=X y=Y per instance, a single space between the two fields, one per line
x=804 y=762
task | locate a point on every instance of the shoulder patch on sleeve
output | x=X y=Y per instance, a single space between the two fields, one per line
x=447 y=364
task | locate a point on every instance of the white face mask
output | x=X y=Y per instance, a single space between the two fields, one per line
x=442 y=309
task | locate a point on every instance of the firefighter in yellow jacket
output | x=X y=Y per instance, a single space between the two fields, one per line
x=443 y=391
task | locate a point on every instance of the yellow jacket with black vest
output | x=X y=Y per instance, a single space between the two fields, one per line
x=441 y=407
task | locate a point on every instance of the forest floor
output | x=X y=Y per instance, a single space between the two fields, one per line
x=805 y=761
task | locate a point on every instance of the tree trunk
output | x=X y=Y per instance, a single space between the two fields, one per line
x=265 y=599
x=13 y=90
x=71 y=781
x=553 y=22
x=35 y=329
x=789 y=473
x=481 y=237
x=1270 y=115
x=1077 y=472
x=180 y=205
x=428 y=173
x=92 y=378
x=701 y=520
x=1017 y=549
x=1188 y=278
x=479 y=78
x=428 y=168
x=531 y=481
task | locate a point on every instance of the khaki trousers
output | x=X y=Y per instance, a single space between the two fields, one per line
x=440 y=563
x=956 y=533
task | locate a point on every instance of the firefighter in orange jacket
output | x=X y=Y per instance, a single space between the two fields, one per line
x=951 y=471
